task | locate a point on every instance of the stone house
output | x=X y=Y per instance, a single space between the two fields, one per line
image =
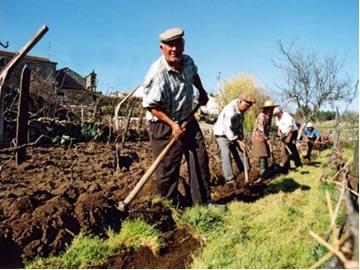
x=72 y=88
x=43 y=72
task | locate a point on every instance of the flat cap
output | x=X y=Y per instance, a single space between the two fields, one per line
x=248 y=98
x=171 y=34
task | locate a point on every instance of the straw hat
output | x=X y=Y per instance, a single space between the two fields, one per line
x=269 y=104
x=309 y=125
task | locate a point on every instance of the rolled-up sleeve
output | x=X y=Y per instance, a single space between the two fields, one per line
x=153 y=92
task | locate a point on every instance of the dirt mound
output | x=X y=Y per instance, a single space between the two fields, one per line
x=180 y=244
x=175 y=255
x=95 y=213
x=60 y=191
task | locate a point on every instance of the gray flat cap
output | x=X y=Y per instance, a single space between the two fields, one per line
x=171 y=34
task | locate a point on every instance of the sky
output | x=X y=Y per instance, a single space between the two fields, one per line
x=119 y=38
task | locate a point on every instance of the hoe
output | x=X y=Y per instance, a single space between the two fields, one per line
x=123 y=205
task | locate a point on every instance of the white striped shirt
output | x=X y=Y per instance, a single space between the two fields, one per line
x=168 y=90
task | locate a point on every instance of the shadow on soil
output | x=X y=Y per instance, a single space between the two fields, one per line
x=287 y=185
x=255 y=192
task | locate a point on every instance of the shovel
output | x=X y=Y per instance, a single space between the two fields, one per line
x=124 y=204
x=246 y=168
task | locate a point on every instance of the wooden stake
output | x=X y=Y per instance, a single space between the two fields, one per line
x=22 y=118
x=329 y=247
x=127 y=126
x=331 y=213
x=329 y=254
x=16 y=148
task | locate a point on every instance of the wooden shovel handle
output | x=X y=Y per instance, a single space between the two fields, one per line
x=156 y=162
x=246 y=168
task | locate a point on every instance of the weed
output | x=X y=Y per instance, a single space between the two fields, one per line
x=135 y=234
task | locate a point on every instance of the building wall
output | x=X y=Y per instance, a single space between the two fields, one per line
x=42 y=75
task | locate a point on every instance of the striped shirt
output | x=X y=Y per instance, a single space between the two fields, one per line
x=230 y=122
x=168 y=90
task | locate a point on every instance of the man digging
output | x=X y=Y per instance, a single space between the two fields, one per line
x=229 y=134
x=168 y=98
x=312 y=137
x=287 y=131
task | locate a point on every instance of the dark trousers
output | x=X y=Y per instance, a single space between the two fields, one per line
x=191 y=145
x=290 y=142
x=310 y=144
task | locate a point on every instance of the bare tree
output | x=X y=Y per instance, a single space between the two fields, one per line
x=312 y=82
x=340 y=117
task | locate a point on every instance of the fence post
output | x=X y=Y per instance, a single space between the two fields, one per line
x=127 y=126
x=22 y=119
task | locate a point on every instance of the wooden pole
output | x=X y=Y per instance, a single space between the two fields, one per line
x=22 y=119
x=117 y=108
x=246 y=168
x=124 y=204
x=82 y=115
x=127 y=126
x=7 y=69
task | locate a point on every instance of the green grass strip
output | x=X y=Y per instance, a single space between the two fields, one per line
x=91 y=251
x=272 y=232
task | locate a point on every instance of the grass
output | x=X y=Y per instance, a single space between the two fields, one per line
x=272 y=232
x=136 y=234
x=90 y=251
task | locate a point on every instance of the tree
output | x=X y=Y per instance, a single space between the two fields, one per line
x=232 y=88
x=311 y=82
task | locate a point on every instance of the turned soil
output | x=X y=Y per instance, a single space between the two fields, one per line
x=60 y=191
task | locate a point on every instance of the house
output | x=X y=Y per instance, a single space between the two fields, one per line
x=43 y=72
x=72 y=88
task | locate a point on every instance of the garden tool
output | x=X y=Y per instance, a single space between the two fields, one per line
x=124 y=204
x=246 y=168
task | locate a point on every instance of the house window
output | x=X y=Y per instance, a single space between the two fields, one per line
x=4 y=61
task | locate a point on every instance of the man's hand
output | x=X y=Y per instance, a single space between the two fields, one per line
x=177 y=131
x=241 y=144
x=203 y=98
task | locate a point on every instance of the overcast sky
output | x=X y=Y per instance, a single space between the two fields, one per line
x=119 y=39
